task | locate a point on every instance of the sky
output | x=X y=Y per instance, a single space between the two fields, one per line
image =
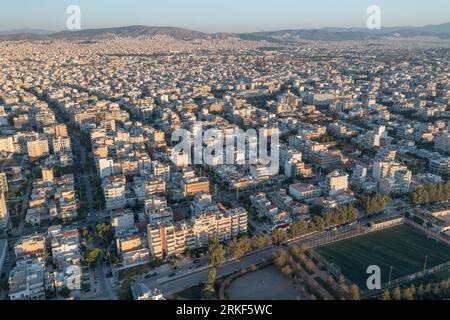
x=220 y=16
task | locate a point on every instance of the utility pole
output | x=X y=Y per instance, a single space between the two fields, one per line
x=425 y=265
x=390 y=276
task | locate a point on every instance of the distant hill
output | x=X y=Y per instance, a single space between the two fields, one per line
x=333 y=34
x=281 y=36
x=38 y=32
x=131 y=31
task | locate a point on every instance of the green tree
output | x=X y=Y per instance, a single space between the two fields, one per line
x=287 y=270
x=330 y=281
x=91 y=257
x=260 y=242
x=124 y=292
x=376 y=204
x=342 y=288
x=386 y=295
x=279 y=236
x=281 y=259
x=216 y=252
x=408 y=294
x=235 y=250
x=354 y=292
x=396 y=294
x=104 y=231
x=209 y=290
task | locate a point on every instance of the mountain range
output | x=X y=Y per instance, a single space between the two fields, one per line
x=441 y=31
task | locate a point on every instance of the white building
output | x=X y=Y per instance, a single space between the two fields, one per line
x=26 y=281
x=122 y=221
x=336 y=182
x=114 y=192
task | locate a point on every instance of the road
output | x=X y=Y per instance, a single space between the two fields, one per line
x=106 y=291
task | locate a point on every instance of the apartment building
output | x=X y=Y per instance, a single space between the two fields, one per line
x=26 y=281
x=193 y=186
x=122 y=220
x=37 y=148
x=3 y=183
x=30 y=246
x=4 y=214
x=335 y=183
x=7 y=144
x=168 y=239
x=114 y=192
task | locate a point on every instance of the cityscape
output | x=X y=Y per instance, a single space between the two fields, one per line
x=163 y=163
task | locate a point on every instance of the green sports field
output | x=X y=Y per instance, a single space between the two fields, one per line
x=402 y=247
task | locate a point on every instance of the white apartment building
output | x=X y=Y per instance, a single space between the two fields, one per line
x=114 y=192
x=61 y=144
x=157 y=211
x=26 y=281
x=122 y=221
x=335 y=183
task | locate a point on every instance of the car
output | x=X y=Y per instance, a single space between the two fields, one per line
x=173 y=274
x=197 y=261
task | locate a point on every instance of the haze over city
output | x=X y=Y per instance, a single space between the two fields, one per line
x=220 y=16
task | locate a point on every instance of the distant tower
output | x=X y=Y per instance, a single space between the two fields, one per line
x=47 y=174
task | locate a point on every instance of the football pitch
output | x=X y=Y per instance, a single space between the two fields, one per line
x=402 y=247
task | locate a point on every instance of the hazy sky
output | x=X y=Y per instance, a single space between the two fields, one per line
x=225 y=15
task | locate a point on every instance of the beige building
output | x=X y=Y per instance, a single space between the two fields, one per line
x=4 y=214
x=47 y=174
x=3 y=183
x=30 y=246
x=37 y=148
x=195 y=185
x=7 y=144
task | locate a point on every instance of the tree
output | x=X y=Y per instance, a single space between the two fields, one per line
x=342 y=291
x=376 y=204
x=86 y=234
x=298 y=229
x=279 y=236
x=309 y=266
x=281 y=259
x=208 y=289
x=431 y=193
x=91 y=257
x=287 y=270
x=408 y=294
x=342 y=288
x=238 y=248
x=296 y=251
x=386 y=295
x=216 y=252
x=354 y=292
x=104 y=231
x=260 y=242
x=330 y=280
x=124 y=292
x=396 y=294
